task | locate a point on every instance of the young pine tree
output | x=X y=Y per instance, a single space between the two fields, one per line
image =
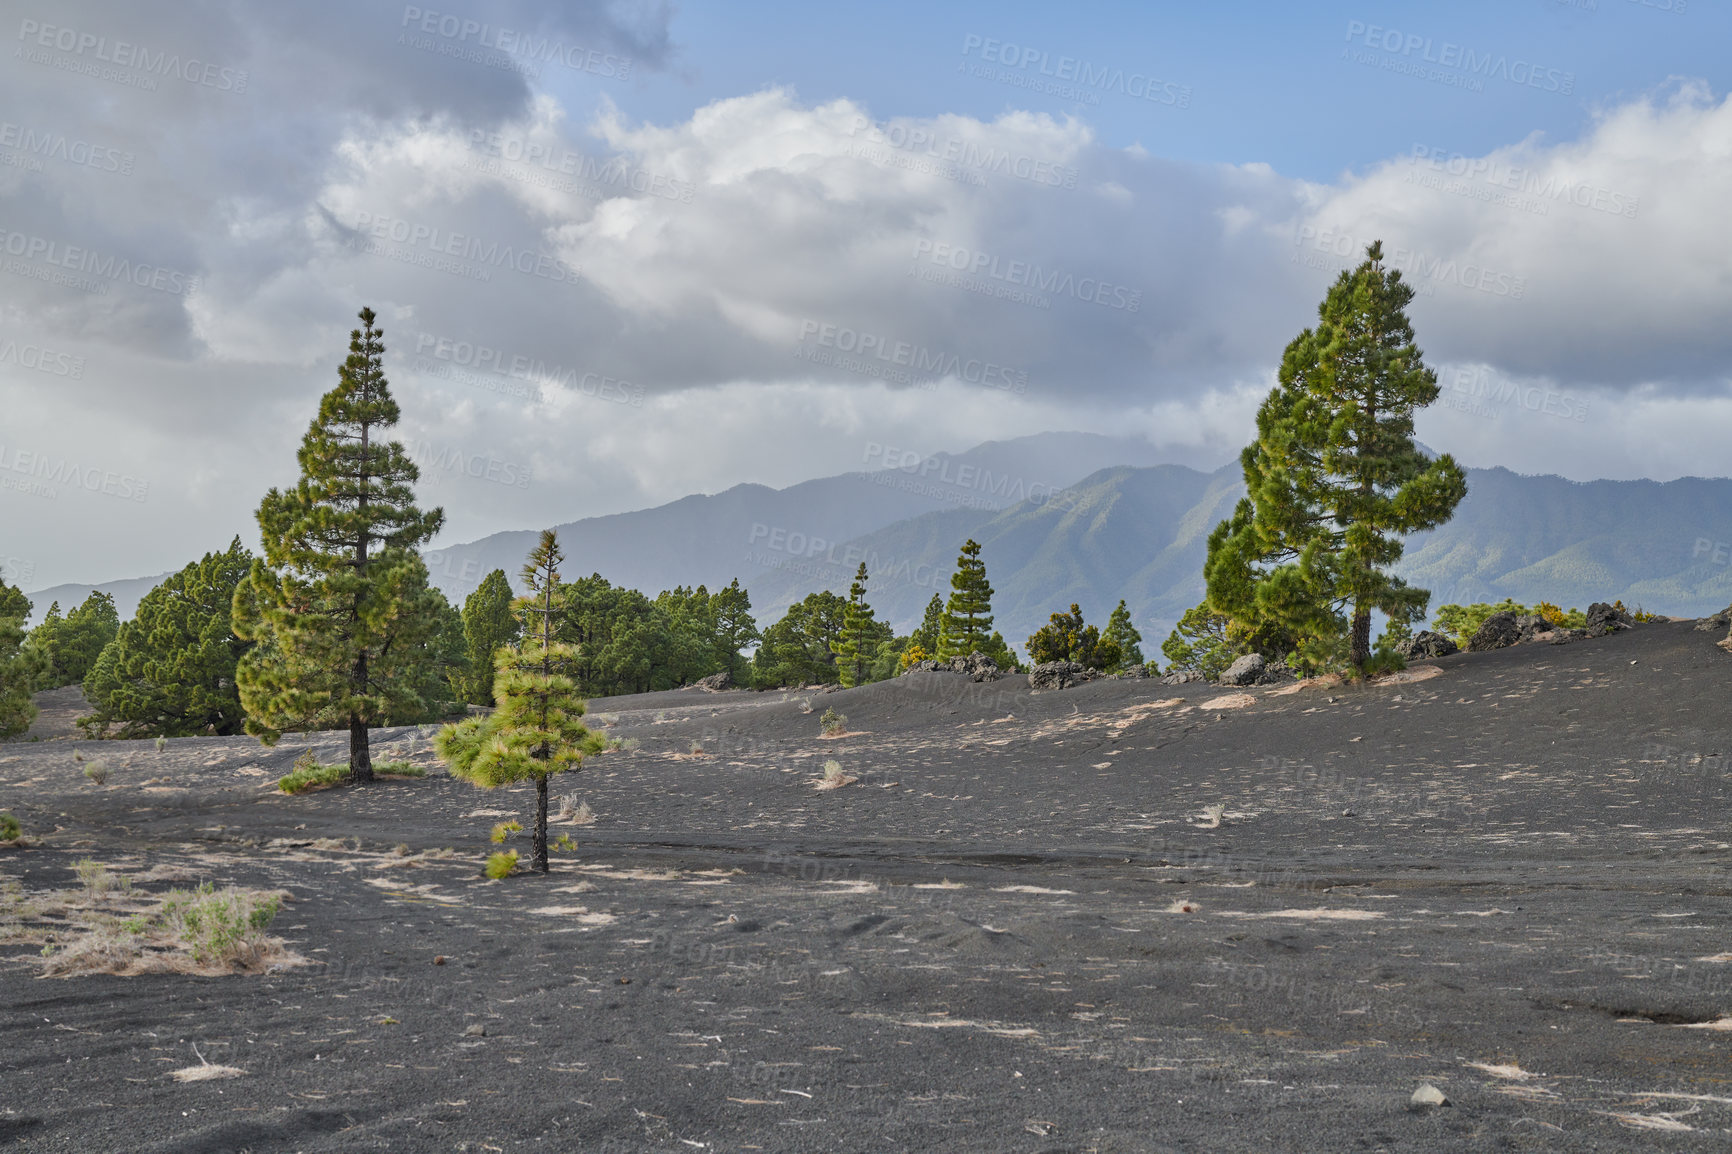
x=340 y=605
x=488 y=624
x=74 y=642
x=856 y=647
x=20 y=663
x=931 y=626
x=968 y=614
x=1334 y=480
x=536 y=731
x=1122 y=633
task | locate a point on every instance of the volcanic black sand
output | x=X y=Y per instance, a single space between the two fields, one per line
x=1024 y=927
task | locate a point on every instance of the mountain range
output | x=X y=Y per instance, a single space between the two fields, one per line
x=1057 y=527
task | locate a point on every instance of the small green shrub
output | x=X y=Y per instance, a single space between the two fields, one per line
x=696 y=747
x=624 y=743
x=161 y=743
x=308 y=774
x=832 y=723
x=504 y=830
x=399 y=769
x=563 y=844
x=10 y=829
x=97 y=772
x=219 y=925
x=96 y=879
x=502 y=865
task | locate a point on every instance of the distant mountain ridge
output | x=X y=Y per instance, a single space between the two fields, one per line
x=1056 y=527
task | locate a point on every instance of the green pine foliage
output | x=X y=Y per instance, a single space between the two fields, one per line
x=800 y=648
x=629 y=643
x=170 y=671
x=1065 y=637
x=340 y=604
x=537 y=730
x=488 y=624
x=20 y=663
x=74 y=643
x=967 y=620
x=1122 y=633
x=1201 y=643
x=855 y=645
x=931 y=625
x=1334 y=481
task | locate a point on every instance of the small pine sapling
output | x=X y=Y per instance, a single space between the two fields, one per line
x=502 y=865
x=833 y=724
x=537 y=730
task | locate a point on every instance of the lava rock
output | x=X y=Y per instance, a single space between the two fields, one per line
x=1244 y=671
x=977 y=666
x=1531 y=626
x=1427 y=1096
x=1604 y=619
x=1059 y=675
x=1276 y=673
x=1181 y=677
x=1496 y=632
x=1425 y=643
x=715 y=682
x=1714 y=624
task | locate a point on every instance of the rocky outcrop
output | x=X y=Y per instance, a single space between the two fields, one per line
x=1496 y=632
x=1245 y=671
x=1425 y=643
x=1717 y=623
x=977 y=666
x=715 y=682
x=1182 y=677
x=1604 y=619
x=1059 y=675
x=1276 y=673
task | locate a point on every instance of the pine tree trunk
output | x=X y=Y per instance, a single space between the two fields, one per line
x=541 y=823
x=1361 y=651
x=360 y=756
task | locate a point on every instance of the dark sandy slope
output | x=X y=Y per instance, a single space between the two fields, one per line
x=1508 y=880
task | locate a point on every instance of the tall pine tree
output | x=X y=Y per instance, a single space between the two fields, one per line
x=488 y=623
x=20 y=663
x=1122 y=633
x=855 y=648
x=1334 y=479
x=536 y=731
x=340 y=604
x=968 y=614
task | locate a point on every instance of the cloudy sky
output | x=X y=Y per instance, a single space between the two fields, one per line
x=624 y=252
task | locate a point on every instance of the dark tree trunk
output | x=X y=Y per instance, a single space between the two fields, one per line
x=541 y=823
x=1361 y=651
x=360 y=756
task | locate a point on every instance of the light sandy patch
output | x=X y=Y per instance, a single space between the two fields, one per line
x=490 y=813
x=1716 y=958
x=1716 y=1024
x=1511 y=1071
x=1311 y=915
x=208 y=1072
x=852 y=887
x=1228 y=701
x=631 y=875
x=579 y=888
x=1329 y=681
x=946 y=884
x=1028 y=890
x=936 y=1022
x=1411 y=674
x=1182 y=906
x=1667 y=1122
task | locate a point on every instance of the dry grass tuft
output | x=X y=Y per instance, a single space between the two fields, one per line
x=833 y=777
x=207 y=931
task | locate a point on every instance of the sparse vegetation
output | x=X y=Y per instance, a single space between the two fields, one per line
x=575 y=811
x=832 y=723
x=220 y=927
x=399 y=769
x=96 y=879
x=502 y=865
x=96 y=772
x=833 y=777
x=11 y=830
x=563 y=844
x=203 y=931
x=504 y=830
x=309 y=774
x=161 y=743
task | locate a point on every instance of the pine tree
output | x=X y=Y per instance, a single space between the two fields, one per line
x=535 y=732
x=800 y=648
x=1122 y=633
x=340 y=603
x=74 y=642
x=968 y=613
x=20 y=663
x=856 y=647
x=1066 y=638
x=1333 y=481
x=734 y=627
x=931 y=626
x=488 y=623
x=170 y=671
